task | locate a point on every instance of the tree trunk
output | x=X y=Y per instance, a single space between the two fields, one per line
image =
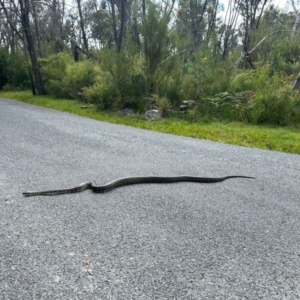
x=124 y=15
x=122 y=26
x=38 y=38
x=144 y=7
x=197 y=11
x=85 y=42
x=24 y=7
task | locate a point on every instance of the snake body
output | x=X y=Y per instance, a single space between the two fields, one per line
x=131 y=180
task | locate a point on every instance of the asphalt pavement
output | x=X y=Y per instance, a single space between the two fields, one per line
x=238 y=239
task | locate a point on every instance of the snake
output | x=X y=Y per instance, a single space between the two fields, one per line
x=129 y=181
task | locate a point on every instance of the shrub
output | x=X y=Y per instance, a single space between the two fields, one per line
x=191 y=89
x=13 y=70
x=53 y=69
x=227 y=106
x=274 y=102
x=168 y=83
x=285 y=57
x=277 y=107
x=78 y=76
x=103 y=93
x=120 y=83
x=65 y=78
x=251 y=80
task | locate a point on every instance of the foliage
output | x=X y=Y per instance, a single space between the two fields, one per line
x=120 y=83
x=53 y=69
x=274 y=102
x=167 y=81
x=103 y=93
x=204 y=76
x=279 y=107
x=155 y=35
x=251 y=79
x=285 y=56
x=13 y=71
x=99 y=29
x=79 y=76
x=162 y=103
x=228 y=106
x=265 y=137
x=65 y=78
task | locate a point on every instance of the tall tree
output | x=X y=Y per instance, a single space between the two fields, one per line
x=155 y=35
x=191 y=21
x=121 y=13
x=251 y=11
x=9 y=25
x=228 y=35
x=25 y=21
x=82 y=27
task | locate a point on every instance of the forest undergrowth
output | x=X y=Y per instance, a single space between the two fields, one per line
x=276 y=138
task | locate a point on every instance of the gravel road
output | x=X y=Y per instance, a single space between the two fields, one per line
x=238 y=239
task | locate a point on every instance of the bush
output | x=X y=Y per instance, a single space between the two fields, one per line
x=285 y=57
x=277 y=107
x=103 y=93
x=191 y=89
x=13 y=70
x=78 y=76
x=64 y=78
x=168 y=82
x=53 y=69
x=251 y=80
x=274 y=102
x=227 y=106
x=120 y=83
x=213 y=76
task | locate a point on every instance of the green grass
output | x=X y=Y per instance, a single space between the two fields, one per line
x=264 y=137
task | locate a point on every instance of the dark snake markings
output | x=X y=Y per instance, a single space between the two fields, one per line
x=130 y=180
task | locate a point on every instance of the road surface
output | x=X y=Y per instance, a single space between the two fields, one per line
x=238 y=239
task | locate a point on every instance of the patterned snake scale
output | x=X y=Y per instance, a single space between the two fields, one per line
x=130 y=180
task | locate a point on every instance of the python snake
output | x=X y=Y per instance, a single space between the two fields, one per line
x=130 y=180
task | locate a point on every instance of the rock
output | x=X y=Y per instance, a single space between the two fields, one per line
x=187 y=104
x=153 y=114
x=190 y=103
x=183 y=108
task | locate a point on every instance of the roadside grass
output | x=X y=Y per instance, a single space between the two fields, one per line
x=264 y=137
